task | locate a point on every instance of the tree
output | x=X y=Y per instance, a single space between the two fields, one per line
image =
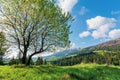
x=44 y=62
x=2 y=46
x=35 y=26
x=39 y=61
x=2 y=43
x=14 y=61
x=1 y=60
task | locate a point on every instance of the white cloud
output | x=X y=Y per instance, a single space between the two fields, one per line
x=72 y=45
x=84 y=34
x=98 y=34
x=100 y=26
x=67 y=5
x=99 y=21
x=83 y=10
x=114 y=33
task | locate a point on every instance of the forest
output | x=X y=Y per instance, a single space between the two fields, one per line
x=109 y=55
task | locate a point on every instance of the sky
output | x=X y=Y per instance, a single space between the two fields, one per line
x=96 y=21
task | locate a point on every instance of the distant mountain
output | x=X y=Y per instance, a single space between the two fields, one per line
x=109 y=43
x=112 y=44
x=63 y=53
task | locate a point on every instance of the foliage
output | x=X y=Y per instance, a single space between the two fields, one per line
x=1 y=60
x=35 y=25
x=2 y=43
x=40 y=61
x=14 y=61
x=77 y=72
x=3 y=47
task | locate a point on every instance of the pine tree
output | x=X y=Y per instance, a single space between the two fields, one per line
x=39 y=61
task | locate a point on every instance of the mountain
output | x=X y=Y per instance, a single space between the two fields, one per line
x=63 y=53
x=109 y=43
x=104 y=53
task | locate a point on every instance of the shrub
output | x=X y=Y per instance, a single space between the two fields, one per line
x=1 y=60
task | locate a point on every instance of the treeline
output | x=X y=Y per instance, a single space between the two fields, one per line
x=13 y=61
x=107 y=55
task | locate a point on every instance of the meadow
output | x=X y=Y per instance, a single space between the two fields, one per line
x=49 y=72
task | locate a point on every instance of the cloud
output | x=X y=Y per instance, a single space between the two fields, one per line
x=67 y=5
x=115 y=12
x=84 y=34
x=72 y=45
x=83 y=10
x=100 y=26
x=114 y=33
x=100 y=22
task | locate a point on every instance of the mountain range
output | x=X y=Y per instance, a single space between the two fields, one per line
x=104 y=53
x=109 y=45
x=63 y=53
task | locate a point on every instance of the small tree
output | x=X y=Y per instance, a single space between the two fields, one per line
x=14 y=61
x=2 y=43
x=3 y=47
x=1 y=60
x=39 y=61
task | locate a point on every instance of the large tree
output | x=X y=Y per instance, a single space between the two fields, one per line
x=35 y=26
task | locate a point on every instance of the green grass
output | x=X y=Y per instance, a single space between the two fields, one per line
x=54 y=58
x=77 y=72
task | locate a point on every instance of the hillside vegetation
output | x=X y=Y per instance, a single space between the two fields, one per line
x=77 y=72
x=105 y=53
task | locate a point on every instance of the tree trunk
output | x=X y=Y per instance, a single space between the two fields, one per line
x=24 y=57
x=29 y=59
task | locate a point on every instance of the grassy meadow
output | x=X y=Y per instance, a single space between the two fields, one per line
x=47 y=72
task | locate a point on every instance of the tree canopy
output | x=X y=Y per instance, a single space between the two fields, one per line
x=35 y=26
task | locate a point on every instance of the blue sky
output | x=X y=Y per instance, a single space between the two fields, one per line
x=96 y=21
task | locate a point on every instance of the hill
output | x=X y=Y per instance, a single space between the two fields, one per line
x=105 y=53
x=109 y=43
x=112 y=43
x=76 y=72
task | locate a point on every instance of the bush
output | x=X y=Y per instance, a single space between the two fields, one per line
x=1 y=60
x=14 y=61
